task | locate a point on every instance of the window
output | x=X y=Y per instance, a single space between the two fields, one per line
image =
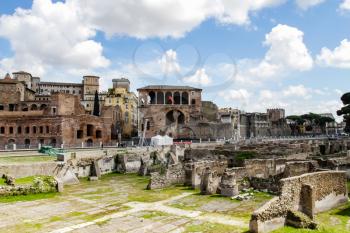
x=148 y=125
x=47 y=129
x=34 y=129
x=193 y=101
x=80 y=133
x=19 y=130
x=90 y=130
x=2 y=130
x=41 y=129
x=54 y=110
x=1 y=107
x=27 y=130
x=11 y=130
x=98 y=134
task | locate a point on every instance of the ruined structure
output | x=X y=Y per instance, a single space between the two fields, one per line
x=61 y=121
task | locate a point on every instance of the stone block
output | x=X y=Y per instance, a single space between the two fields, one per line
x=93 y=178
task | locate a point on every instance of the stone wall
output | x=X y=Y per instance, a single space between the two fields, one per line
x=175 y=174
x=24 y=170
x=328 y=190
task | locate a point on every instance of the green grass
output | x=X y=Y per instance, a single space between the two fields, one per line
x=30 y=197
x=153 y=214
x=2 y=181
x=26 y=159
x=213 y=228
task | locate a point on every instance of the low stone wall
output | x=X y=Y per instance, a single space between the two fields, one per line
x=309 y=193
x=175 y=174
x=24 y=170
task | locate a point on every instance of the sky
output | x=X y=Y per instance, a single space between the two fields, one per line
x=251 y=55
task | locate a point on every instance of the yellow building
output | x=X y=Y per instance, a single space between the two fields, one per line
x=121 y=96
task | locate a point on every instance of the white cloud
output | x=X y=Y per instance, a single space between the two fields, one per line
x=287 y=52
x=241 y=95
x=152 y=18
x=345 y=5
x=169 y=63
x=306 y=4
x=339 y=57
x=50 y=34
x=287 y=48
x=296 y=91
x=199 y=78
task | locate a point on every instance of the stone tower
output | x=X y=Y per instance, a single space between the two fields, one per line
x=91 y=85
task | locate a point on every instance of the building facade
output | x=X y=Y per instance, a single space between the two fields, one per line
x=28 y=120
x=127 y=102
x=169 y=110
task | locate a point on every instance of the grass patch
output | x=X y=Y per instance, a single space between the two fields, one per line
x=30 y=197
x=213 y=227
x=93 y=217
x=101 y=223
x=2 y=182
x=154 y=214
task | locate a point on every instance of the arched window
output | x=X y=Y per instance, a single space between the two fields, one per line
x=98 y=134
x=19 y=130
x=152 y=97
x=34 y=107
x=184 y=97
x=43 y=106
x=148 y=125
x=34 y=129
x=169 y=98
x=27 y=130
x=177 y=98
x=160 y=97
x=41 y=129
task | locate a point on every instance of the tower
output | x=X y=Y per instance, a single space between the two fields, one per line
x=91 y=85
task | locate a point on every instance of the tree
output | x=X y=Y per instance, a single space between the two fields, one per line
x=96 y=105
x=296 y=125
x=345 y=111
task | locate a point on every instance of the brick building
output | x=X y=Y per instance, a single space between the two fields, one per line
x=28 y=120
x=169 y=110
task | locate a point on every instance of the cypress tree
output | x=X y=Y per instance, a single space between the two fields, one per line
x=96 y=105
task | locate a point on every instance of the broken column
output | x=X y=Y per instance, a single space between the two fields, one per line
x=228 y=185
x=210 y=182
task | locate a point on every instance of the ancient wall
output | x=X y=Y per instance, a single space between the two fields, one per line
x=23 y=170
x=328 y=190
x=175 y=174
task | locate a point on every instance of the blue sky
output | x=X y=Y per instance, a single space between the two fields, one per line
x=252 y=55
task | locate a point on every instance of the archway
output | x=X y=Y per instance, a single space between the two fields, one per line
x=152 y=96
x=177 y=98
x=27 y=143
x=160 y=97
x=184 y=98
x=53 y=142
x=89 y=142
x=34 y=107
x=186 y=133
x=175 y=116
x=10 y=143
x=43 y=106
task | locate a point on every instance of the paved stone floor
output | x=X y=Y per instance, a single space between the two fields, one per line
x=120 y=203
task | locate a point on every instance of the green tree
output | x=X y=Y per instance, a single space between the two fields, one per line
x=345 y=111
x=96 y=105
